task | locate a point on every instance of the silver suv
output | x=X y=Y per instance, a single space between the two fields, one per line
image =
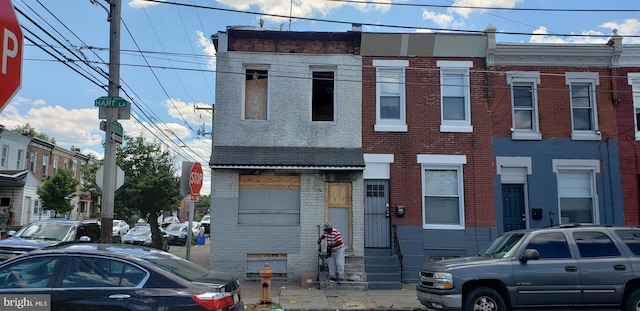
x=561 y=267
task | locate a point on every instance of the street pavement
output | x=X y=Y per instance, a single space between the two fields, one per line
x=292 y=296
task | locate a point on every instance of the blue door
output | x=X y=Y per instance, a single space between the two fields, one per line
x=513 y=207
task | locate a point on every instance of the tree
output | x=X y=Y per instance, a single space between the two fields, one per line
x=56 y=192
x=27 y=129
x=151 y=184
x=203 y=201
x=89 y=185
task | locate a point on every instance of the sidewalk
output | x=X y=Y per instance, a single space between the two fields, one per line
x=292 y=296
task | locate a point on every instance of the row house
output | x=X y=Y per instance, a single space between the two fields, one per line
x=287 y=148
x=626 y=99
x=459 y=138
x=28 y=161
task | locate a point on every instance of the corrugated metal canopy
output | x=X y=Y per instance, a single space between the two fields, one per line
x=287 y=157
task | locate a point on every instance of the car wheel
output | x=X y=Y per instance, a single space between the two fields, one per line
x=484 y=299
x=633 y=301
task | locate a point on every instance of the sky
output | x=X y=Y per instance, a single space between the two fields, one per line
x=167 y=66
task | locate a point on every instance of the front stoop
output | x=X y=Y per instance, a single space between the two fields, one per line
x=382 y=268
x=355 y=276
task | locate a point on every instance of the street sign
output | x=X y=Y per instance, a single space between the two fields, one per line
x=195 y=179
x=10 y=53
x=119 y=177
x=111 y=102
x=116 y=132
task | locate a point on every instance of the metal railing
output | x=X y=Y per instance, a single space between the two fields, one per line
x=398 y=251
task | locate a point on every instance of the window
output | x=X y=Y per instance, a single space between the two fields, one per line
x=32 y=162
x=442 y=189
x=20 y=162
x=593 y=244
x=55 y=165
x=34 y=272
x=45 y=161
x=634 y=81
x=4 y=157
x=322 y=97
x=101 y=272
x=256 y=95
x=584 y=114
x=390 y=95
x=74 y=168
x=576 y=190
x=36 y=207
x=524 y=104
x=455 y=110
x=269 y=200
x=630 y=237
x=550 y=245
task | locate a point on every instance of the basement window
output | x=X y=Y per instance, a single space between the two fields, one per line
x=322 y=98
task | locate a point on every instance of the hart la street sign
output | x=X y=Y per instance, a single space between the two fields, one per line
x=111 y=102
x=10 y=53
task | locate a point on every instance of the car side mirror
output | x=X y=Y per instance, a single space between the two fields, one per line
x=529 y=254
x=11 y=233
x=84 y=238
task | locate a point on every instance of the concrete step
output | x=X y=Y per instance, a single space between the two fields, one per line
x=373 y=285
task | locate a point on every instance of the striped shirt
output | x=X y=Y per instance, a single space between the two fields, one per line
x=334 y=239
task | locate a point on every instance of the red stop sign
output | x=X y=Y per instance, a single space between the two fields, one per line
x=10 y=52
x=195 y=178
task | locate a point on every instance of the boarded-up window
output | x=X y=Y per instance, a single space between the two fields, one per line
x=256 y=94
x=269 y=200
x=322 y=104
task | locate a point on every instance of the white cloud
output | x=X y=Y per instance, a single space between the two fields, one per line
x=441 y=20
x=424 y=30
x=628 y=27
x=181 y=110
x=208 y=49
x=141 y=3
x=541 y=36
x=39 y=102
x=480 y=3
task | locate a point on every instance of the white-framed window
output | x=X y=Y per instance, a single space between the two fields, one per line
x=524 y=104
x=577 y=196
x=455 y=96
x=255 y=102
x=634 y=81
x=20 y=161
x=45 y=162
x=32 y=162
x=55 y=165
x=442 y=191
x=74 y=168
x=4 y=157
x=323 y=85
x=390 y=95
x=584 y=112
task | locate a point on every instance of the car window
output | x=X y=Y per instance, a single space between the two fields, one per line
x=595 y=244
x=174 y=227
x=101 y=272
x=631 y=238
x=34 y=272
x=140 y=230
x=551 y=245
x=46 y=231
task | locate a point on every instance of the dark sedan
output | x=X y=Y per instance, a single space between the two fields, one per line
x=117 y=277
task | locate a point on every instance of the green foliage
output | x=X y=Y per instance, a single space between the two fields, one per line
x=203 y=201
x=27 y=129
x=56 y=192
x=151 y=185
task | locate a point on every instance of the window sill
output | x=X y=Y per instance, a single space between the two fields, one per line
x=443 y=227
x=586 y=136
x=390 y=128
x=518 y=135
x=456 y=128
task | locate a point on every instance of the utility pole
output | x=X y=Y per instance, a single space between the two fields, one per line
x=109 y=183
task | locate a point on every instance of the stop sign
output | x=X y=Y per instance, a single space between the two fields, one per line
x=195 y=178
x=10 y=52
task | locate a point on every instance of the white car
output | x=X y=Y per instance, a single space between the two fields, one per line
x=120 y=227
x=206 y=222
x=196 y=228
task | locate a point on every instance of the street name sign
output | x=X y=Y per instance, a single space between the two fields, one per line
x=111 y=102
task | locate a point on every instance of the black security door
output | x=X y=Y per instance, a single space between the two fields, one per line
x=513 y=207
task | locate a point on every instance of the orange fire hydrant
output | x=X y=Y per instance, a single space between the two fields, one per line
x=265 y=292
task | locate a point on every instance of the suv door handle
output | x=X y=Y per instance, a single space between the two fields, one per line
x=571 y=268
x=619 y=267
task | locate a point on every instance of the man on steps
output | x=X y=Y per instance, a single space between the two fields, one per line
x=335 y=252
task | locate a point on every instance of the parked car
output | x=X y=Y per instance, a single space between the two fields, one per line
x=206 y=223
x=197 y=229
x=563 y=267
x=120 y=227
x=170 y=220
x=177 y=233
x=141 y=235
x=92 y=276
x=43 y=233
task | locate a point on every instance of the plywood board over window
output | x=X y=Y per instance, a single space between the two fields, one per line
x=338 y=205
x=269 y=200
x=256 y=94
